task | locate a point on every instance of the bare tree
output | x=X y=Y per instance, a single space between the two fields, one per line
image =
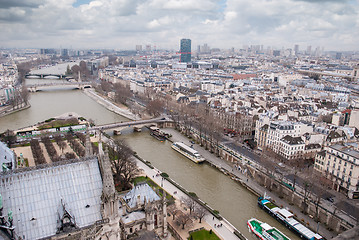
x=75 y=70
x=190 y=203
x=308 y=186
x=106 y=86
x=124 y=164
x=320 y=186
x=23 y=69
x=200 y=212
x=183 y=219
x=172 y=209
x=24 y=94
x=122 y=93
x=60 y=142
x=155 y=107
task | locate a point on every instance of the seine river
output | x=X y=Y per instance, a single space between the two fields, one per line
x=233 y=201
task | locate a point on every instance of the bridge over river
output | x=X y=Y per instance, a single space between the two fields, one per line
x=45 y=75
x=137 y=123
x=79 y=85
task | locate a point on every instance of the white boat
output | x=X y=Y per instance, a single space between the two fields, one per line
x=188 y=152
x=264 y=231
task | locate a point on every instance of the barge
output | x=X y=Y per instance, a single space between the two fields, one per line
x=287 y=219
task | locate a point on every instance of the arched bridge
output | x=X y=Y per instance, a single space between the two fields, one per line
x=44 y=75
x=130 y=124
x=79 y=85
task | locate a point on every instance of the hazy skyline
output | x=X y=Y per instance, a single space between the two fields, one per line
x=122 y=24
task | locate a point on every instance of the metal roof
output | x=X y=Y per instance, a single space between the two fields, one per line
x=143 y=191
x=35 y=196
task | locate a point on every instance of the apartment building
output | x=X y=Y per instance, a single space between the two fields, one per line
x=291 y=147
x=340 y=163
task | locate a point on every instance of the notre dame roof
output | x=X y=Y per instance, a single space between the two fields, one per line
x=36 y=196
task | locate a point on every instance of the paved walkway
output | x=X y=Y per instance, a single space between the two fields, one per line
x=224 y=232
x=110 y=105
x=176 y=136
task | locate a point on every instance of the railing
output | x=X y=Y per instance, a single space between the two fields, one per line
x=174 y=233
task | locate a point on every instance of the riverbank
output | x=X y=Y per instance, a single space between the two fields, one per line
x=225 y=232
x=109 y=105
x=4 y=111
x=250 y=184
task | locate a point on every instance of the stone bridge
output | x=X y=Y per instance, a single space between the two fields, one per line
x=44 y=75
x=78 y=85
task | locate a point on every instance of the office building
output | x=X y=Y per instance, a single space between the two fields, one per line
x=185 y=50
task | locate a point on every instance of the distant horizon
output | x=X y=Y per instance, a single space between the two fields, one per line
x=123 y=24
x=163 y=49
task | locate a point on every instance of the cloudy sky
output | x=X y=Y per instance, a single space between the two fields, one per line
x=122 y=24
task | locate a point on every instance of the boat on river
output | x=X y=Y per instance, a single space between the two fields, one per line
x=158 y=134
x=264 y=231
x=287 y=218
x=188 y=152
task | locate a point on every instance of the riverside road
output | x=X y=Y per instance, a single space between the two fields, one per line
x=176 y=136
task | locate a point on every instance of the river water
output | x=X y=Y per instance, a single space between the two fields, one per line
x=234 y=202
x=47 y=104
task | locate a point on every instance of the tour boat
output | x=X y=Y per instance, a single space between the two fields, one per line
x=188 y=152
x=264 y=231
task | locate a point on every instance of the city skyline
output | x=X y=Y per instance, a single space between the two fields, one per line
x=121 y=24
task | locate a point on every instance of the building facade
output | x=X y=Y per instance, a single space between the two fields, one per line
x=340 y=164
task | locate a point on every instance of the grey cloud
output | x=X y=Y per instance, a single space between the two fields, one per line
x=5 y=4
x=12 y=15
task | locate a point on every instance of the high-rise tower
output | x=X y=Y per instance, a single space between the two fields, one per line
x=185 y=50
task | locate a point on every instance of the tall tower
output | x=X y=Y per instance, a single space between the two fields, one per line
x=185 y=50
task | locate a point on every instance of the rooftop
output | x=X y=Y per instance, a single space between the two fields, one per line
x=35 y=196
